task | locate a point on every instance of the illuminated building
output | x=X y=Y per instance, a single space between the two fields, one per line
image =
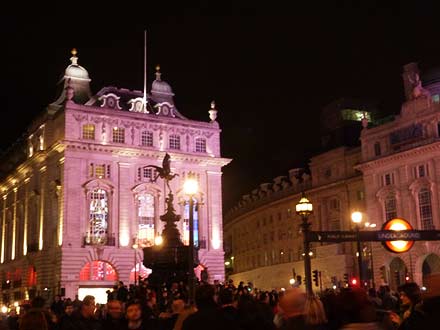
x=401 y=169
x=78 y=204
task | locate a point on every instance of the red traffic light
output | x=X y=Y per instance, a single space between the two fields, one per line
x=354 y=281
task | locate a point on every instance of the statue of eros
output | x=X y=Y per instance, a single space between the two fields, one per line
x=164 y=172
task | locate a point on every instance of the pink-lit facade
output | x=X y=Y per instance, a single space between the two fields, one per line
x=401 y=168
x=72 y=210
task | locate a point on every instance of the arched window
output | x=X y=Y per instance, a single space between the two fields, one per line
x=390 y=207
x=98 y=216
x=98 y=271
x=425 y=209
x=195 y=224
x=145 y=219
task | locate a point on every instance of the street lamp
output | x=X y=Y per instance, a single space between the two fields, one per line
x=304 y=208
x=190 y=188
x=356 y=217
x=135 y=246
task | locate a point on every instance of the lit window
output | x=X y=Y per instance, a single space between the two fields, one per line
x=118 y=135
x=200 y=145
x=145 y=219
x=147 y=139
x=100 y=171
x=195 y=224
x=98 y=271
x=174 y=142
x=98 y=218
x=436 y=98
x=88 y=132
x=390 y=208
x=425 y=209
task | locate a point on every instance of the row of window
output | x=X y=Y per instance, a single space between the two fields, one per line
x=419 y=171
x=146 y=139
x=146 y=213
x=425 y=208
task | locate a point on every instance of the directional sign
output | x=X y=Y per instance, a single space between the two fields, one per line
x=374 y=236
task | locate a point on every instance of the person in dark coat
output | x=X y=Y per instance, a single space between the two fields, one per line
x=410 y=296
x=114 y=319
x=431 y=302
x=66 y=320
x=208 y=315
x=57 y=306
x=84 y=319
x=135 y=321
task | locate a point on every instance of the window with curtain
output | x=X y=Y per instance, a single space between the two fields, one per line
x=195 y=224
x=98 y=219
x=145 y=214
x=425 y=209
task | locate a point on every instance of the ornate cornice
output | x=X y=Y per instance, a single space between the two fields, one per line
x=399 y=157
x=137 y=152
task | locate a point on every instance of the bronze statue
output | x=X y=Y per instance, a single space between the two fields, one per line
x=164 y=172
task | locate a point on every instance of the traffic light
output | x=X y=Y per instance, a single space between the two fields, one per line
x=354 y=281
x=315 y=277
x=298 y=279
x=346 y=278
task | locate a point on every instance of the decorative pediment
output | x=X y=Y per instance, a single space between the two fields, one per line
x=137 y=105
x=147 y=187
x=386 y=191
x=110 y=101
x=98 y=184
x=165 y=109
x=420 y=183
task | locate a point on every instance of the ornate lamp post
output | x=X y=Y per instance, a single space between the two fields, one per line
x=190 y=188
x=356 y=217
x=304 y=208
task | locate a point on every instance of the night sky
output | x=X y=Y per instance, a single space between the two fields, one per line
x=270 y=69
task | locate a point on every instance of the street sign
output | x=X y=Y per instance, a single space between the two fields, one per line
x=374 y=236
x=398 y=246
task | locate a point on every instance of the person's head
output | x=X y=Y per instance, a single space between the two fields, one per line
x=409 y=294
x=177 y=306
x=68 y=308
x=133 y=311
x=33 y=320
x=57 y=298
x=292 y=302
x=114 y=309
x=88 y=306
x=314 y=311
x=205 y=296
x=225 y=297
x=38 y=302
x=355 y=306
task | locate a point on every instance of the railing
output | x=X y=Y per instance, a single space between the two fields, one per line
x=107 y=240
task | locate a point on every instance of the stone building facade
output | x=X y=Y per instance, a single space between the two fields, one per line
x=394 y=173
x=401 y=169
x=262 y=235
x=76 y=195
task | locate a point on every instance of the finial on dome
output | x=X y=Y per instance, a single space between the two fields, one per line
x=213 y=112
x=74 y=58
x=364 y=121
x=158 y=72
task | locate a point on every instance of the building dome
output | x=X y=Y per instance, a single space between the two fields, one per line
x=75 y=70
x=159 y=86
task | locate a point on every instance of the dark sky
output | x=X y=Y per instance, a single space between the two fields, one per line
x=270 y=68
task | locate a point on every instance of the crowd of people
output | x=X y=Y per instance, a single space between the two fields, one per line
x=241 y=307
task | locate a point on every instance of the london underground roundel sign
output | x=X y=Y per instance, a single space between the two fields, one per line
x=397 y=246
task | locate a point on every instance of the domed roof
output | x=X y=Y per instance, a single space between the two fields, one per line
x=75 y=70
x=159 y=86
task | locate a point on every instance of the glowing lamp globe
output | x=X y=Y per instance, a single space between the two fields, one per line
x=304 y=207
